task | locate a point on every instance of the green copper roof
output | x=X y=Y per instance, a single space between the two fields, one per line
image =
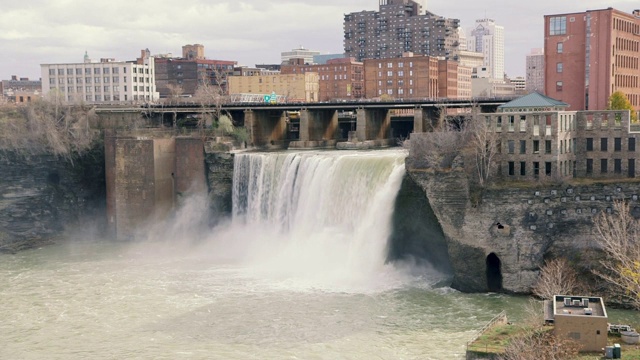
x=533 y=100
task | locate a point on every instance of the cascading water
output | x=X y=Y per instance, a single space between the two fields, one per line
x=321 y=216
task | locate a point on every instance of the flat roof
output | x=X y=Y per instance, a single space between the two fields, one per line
x=578 y=306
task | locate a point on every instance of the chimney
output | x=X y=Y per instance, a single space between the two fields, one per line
x=14 y=78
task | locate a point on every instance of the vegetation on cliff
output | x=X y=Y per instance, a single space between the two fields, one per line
x=47 y=126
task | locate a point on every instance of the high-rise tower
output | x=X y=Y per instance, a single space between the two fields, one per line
x=488 y=38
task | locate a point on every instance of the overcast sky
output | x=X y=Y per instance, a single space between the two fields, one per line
x=33 y=32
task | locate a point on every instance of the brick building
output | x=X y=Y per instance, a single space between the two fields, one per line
x=399 y=26
x=339 y=79
x=293 y=87
x=589 y=55
x=400 y=78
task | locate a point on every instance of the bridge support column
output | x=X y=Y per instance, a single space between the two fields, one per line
x=373 y=124
x=419 y=116
x=318 y=128
x=267 y=128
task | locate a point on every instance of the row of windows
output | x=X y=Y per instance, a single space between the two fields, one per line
x=617 y=144
x=625 y=61
x=535 y=146
x=617 y=166
x=87 y=80
x=99 y=88
x=97 y=71
x=626 y=26
x=567 y=167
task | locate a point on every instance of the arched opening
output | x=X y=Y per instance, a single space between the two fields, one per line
x=494 y=273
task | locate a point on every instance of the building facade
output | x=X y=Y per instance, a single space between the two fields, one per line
x=299 y=53
x=538 y=137
x=339 y=79
x=107 y=81
x=582 y=319
x=399 y=78
x=398 y=27
x=535 y=71
x=293 y=87
x=20 y=90
x=488 y=38
x=589 y=55
x=189 y=74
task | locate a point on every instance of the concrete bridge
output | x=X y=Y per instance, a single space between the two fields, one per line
x=310 y=125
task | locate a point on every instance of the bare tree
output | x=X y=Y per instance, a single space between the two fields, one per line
x=539 y=344
x=557 y=277
x=483 y=144
x=211 y=95
x=618 y=235
x=47 y=126
x=175 y=94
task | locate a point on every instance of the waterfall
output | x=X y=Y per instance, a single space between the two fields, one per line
x=325 y=215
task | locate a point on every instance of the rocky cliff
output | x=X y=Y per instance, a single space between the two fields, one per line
x=219 y=173
x=41 y=195
x=499 y=241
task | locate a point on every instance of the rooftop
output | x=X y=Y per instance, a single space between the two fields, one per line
x=533 y=100
x=578 y=305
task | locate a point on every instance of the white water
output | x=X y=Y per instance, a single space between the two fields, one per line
x=322 y=218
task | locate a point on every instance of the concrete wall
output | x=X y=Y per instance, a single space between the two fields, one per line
x=189 y=166
x=591 y=331
x=267 y=129
x=373 y=124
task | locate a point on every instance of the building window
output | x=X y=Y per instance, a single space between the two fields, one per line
x=560 y=47
x=511 y=146
x=60 y=71
x=512 y=170
x=52 y=72
x=547 y=146
x=558 y=85
x=523 y=168
x=547 y=168
x=589 y=166
x=603 y=166
x=389 y=73
x=603 y=144
x=559 y=67
x=536 y=146
x=617 y=166
x=617 y=144
x=536 y=168
x=523 y=146
x=97 y=72
x=632 y=144
x=589 y=144
x=558 y=25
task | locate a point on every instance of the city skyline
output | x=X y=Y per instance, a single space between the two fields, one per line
x=249 y=32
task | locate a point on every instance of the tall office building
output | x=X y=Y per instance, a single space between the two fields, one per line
x=589 y=55
x=299 y=53
x=488 y=38
x=400 y=26
x=535 y=71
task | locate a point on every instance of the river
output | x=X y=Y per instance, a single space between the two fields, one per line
x=298 y=273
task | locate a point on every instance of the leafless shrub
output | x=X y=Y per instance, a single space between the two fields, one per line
x=47 y=126
x=539 y=344
x=557 y=277
x=618 y=235
x=482 y=146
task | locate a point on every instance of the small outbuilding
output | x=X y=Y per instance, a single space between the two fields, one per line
x=579 y=318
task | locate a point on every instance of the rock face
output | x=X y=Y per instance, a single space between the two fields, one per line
x=40 y=195
x=500 y=242
x=219 y=172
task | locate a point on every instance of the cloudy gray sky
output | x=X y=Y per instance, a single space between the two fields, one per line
x=33 y=32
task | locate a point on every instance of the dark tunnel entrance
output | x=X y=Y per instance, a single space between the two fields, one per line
x=494 y=273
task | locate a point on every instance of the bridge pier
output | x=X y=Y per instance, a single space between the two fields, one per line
x=267 y=128
x=318 y=128
x=373 y=124
x=144 y=176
